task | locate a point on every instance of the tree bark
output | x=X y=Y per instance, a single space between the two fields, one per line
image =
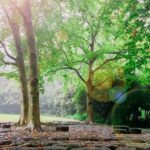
x=34 y=111
x=90 y=114
x=23 y=78
x=89 y=86
x=20 y=66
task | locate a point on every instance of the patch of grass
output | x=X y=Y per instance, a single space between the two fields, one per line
x=44 y=118
x=54 y=118
x=9 y=118
x=80 y=117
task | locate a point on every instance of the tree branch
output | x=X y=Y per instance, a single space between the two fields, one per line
x=9 y=63
x=19 y=10
x=78 y=73
x=7 y=53
x=117 y=52
x=105 y=62
x=94 y=34
x=65 y=54
x=11 y=23
x=100 y=83
x=80 y=61
x=82 y=38
x=70 y=68
x=84 y=18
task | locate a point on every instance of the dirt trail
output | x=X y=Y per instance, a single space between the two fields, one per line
x=79 y=137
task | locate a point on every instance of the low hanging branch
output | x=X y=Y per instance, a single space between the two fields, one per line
x=6 y=52
x=78 y=73
x=70 y=68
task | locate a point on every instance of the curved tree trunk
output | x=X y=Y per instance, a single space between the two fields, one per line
x=23 y=79
x=34 y=111
x=22 y=76
x=20 y=66
x=24 y=87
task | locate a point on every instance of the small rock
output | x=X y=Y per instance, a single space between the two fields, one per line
x=5 y=142
x=113 y=147
x=135 y=131
x=62 y=128
x=121 y=127
x=5 y=125
x=59 y=138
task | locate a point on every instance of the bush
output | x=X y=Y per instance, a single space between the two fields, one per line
x=132 y=111
x=99 y=119
x=80 y=117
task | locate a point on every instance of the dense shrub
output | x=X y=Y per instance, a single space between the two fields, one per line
x=135 y=111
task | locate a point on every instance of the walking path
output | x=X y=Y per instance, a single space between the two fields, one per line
x=79 y=137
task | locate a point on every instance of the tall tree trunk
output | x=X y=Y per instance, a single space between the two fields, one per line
x=89 y=82
x=89 y=86
x=89 y=107
x=34 y=111
x=20 y=66
x=23 y=79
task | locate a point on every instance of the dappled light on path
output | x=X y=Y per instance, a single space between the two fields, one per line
x=79 y=136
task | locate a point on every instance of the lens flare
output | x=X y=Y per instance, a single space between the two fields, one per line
x=118 y=94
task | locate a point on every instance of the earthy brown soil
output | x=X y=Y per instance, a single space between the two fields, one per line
x=79 y=137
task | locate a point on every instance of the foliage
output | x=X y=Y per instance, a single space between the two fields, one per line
x=100 y=119
x=132 y=111
x=79 y=99
x=10 y=75
x=111 y=35
x=83 y=117
x=67 y=45
x=80 y=117
x=137 y=28
x=1 y=58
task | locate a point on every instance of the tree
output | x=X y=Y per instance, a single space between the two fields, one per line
x=34 y=111
x=18 y=62
x=137 y=28
x=84 y=42
x=33 y=116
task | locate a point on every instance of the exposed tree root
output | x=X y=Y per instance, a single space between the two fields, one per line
x=33 y=128
x=87 y=121
x=22 y=121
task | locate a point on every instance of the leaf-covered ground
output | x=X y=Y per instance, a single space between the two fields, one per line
x=79 y=137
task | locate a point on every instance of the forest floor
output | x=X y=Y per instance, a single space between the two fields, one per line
x=79 y=137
